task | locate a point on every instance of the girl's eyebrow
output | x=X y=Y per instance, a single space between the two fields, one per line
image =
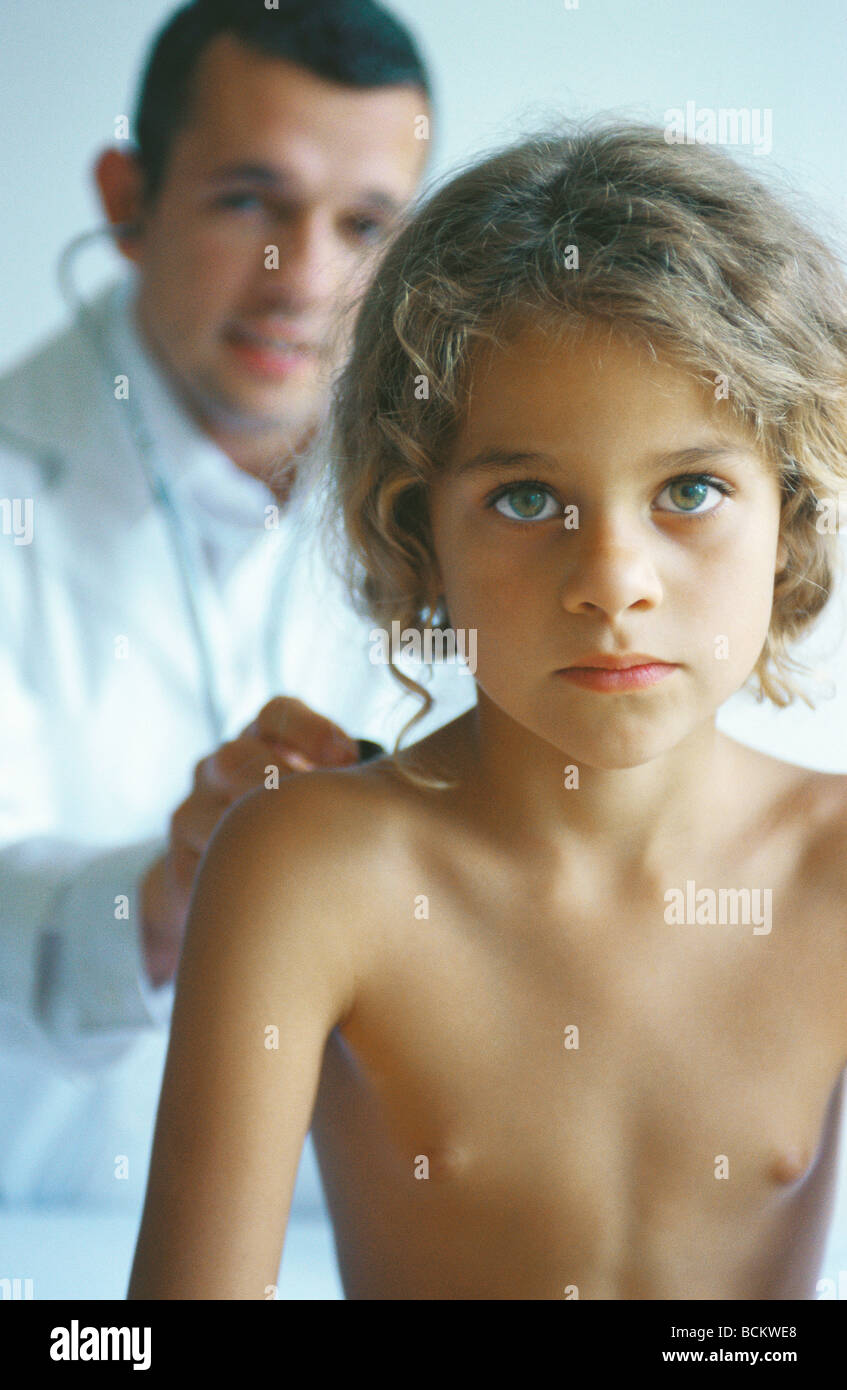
x=493 y=460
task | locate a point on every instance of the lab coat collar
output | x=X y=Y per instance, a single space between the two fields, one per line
x=184 y=453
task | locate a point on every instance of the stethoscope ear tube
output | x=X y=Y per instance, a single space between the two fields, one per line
x=155 y=476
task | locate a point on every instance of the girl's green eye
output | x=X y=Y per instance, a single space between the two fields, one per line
x=688 y=494
x=528 y=502
x=532 y=501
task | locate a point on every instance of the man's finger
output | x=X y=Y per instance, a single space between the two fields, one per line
x=233 y=764
x=295 y=726
x=238 y=767
x=193 y=823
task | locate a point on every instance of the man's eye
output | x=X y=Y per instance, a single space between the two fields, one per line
x=366 y=228
x=689 y=492
x=240 y=202
x=525 y=502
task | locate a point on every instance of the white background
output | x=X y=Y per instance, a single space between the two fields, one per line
x=69 y=67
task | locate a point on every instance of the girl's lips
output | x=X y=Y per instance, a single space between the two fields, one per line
x=628 y=678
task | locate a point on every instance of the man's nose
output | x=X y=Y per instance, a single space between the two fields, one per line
x=309 y=270
x=609 y=567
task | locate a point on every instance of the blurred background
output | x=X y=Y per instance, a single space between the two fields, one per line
x=69 y=70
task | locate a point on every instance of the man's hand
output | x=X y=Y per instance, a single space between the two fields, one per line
x=286 y=734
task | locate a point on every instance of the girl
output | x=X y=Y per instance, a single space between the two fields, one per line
x=562 y=989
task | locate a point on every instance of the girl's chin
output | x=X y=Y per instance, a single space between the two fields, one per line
x=617 y=739
x=607 y=751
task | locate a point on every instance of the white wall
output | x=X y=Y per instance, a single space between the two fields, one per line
x=69 y=67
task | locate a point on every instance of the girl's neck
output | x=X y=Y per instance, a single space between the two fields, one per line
x=642 y=815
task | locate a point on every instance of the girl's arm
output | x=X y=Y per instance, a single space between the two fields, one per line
x=267 y=971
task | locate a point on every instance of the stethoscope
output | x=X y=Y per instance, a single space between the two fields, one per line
x=155 y=473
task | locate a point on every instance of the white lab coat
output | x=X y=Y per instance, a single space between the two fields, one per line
x=103 y=722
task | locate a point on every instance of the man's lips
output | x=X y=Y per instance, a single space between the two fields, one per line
x=279 y=339
x=271 y=354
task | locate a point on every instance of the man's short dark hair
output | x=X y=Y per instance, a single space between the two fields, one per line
x=355 y=43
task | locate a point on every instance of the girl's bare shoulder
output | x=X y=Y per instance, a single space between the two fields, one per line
x=299 y=882
x=338 y=824
x=800 y=812
x=822 y=804
x=805 y=811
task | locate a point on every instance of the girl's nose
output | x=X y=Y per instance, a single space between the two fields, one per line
x=609 y=574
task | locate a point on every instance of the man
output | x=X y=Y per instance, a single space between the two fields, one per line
x=166 y=610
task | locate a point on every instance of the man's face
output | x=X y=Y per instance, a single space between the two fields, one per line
x=271 y=156
x=661 y=563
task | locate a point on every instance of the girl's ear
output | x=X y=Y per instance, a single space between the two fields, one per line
x=434 y=601
x=781 y=556
x=435 y=584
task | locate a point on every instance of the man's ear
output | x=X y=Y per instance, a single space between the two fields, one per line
x=121 y=182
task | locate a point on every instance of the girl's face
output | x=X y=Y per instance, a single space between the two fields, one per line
x=596 y=501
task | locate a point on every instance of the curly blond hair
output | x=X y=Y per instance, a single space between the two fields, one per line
x=677 y=244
